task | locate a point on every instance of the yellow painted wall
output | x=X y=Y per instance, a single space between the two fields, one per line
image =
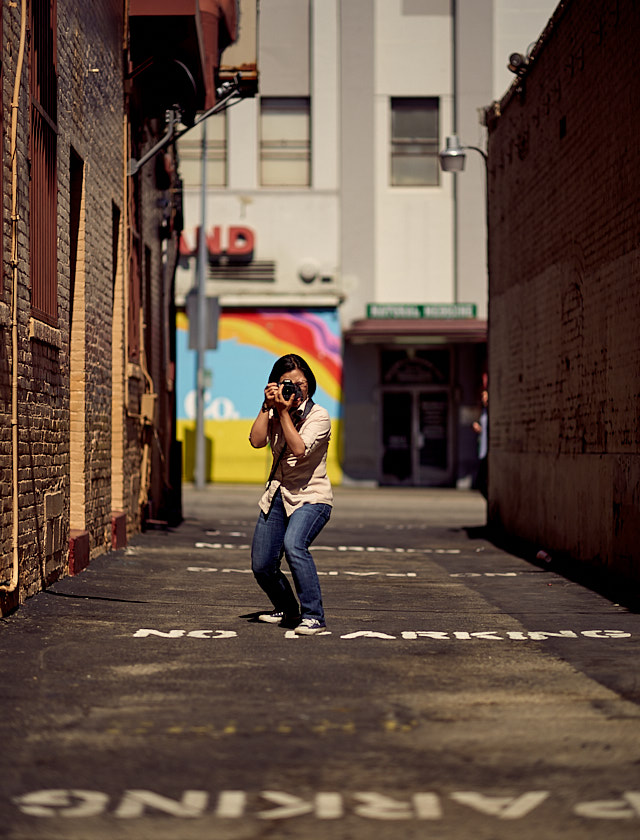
x=231 y=458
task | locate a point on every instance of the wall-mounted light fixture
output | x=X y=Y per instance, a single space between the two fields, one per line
x=518 y=63
x=453 y=157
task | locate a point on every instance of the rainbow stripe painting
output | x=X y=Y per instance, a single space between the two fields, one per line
x=304 y=333
x=249 y=342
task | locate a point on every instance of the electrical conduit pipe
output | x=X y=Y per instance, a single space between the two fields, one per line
x=13 y=583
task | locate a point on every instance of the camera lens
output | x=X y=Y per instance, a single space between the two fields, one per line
x=288 y=389
x=291 y=389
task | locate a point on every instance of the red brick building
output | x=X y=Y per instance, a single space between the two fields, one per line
x=89 y=250
x=564 y=343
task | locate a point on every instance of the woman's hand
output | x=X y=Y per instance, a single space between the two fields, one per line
x=280 y=404
x=270 y=393
x=274 y=399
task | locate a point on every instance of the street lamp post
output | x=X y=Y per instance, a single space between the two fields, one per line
x=200 y=478
x=453 y=159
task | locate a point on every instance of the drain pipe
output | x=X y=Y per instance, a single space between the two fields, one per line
x=454 y=72
x=13 y=583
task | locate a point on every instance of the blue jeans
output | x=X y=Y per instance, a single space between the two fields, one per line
x=277 y=534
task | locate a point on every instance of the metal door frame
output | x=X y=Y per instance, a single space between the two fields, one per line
x=415 y=390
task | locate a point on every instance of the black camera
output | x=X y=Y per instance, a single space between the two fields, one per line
x=290 y=389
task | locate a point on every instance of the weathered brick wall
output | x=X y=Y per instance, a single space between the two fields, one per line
x=89 y=64
x=42 y=387
x=81 y=443
x=91 y=97
x=564 y=347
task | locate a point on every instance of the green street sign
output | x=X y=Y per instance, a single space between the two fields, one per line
x=421 y=310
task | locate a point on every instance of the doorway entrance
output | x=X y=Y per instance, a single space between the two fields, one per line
x=416 y=417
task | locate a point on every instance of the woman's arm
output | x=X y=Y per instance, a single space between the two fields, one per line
x=259 y=434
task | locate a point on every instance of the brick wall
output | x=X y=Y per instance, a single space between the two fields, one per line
x=92 y=124
x=564 y=346
x=82 y=446
x=64 y=386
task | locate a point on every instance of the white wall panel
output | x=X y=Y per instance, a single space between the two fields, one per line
x=413 y=53
x=325 y=94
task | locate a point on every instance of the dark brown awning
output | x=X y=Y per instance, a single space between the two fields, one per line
x=432 y=331
x=193 y=32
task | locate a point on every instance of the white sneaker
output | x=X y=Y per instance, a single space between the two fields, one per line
x=278 y=617
x=274 y=617
x=309 y=626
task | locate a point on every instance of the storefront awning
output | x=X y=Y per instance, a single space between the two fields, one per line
x=413 y=330
x=192 y=33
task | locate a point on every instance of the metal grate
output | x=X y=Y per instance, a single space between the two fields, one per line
x=258 y=271
x=44 y=261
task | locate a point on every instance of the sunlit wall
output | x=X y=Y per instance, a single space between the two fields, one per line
x=249 y=342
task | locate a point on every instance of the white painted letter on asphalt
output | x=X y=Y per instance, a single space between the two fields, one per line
x=504 y=807
x=377 y=806
x=135 y=802
x=63 y=803
x=611 y=809
x=368 y=634
x=231 y=804
x=290 y=806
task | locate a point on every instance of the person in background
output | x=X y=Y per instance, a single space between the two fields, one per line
x=298 y=499
x=481 y=427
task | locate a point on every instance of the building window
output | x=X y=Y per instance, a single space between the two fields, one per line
x=190 y=153
x=44 y=170
x=135 y=249
x=414 y=142
x=285 y=146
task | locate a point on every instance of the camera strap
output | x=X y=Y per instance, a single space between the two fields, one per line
x=298 y=419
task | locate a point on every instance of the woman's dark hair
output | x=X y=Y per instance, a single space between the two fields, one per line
x=293 y=362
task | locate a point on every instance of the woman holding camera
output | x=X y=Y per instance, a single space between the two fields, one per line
x=296 y=504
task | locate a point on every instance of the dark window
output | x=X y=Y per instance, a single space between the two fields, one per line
x=115 y=242
x=76 y=179
x=414 y=142
x=285 y=141
x=44 y=170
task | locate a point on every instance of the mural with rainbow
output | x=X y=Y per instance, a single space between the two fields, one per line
x=249 y=342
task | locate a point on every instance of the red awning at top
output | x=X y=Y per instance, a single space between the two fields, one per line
x=193 y=32
x=453 y=331
x=219 y=29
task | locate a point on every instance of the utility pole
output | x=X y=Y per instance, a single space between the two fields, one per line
x=200 y=478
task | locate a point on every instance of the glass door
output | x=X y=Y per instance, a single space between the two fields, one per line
x=397 y=437
x=416 y=439
x=416 y=421
x=433 y=455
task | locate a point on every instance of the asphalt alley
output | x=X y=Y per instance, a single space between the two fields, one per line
x=459 y=690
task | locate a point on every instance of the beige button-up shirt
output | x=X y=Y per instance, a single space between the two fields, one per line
x=301 y=479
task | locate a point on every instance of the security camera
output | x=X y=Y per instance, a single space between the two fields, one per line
x=517 y=63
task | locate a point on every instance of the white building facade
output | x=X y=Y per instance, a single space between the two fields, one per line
x=332 y=232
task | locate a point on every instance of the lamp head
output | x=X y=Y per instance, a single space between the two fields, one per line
x=518 y=63
x=452 y=157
